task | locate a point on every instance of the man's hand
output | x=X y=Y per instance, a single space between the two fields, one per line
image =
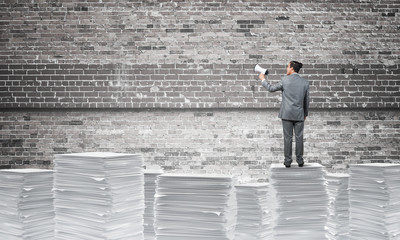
x=305 y=118
x=261 y=76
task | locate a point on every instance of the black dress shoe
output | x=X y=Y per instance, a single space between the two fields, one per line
x=301 y=165
x=287 y=166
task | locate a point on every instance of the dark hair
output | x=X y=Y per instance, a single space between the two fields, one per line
x=296 y=66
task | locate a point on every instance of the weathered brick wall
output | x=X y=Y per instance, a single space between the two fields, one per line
x=189 y=65
x=196 y=54
x=242 y=142
x=191 y=86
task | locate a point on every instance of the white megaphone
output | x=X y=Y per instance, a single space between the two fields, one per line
x=259 y=69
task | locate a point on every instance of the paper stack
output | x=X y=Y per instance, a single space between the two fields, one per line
x=195 y=207
x=26 y=204
x=374 y=201
x=150 y=177
x=338 y=220
x=301 y=206
x=253 y=220
x=98 y=196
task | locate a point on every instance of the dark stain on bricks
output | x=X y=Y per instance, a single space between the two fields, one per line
x=203 y=114
x=348 y=52
x=392 y=14
x=159 y=48
x=362 y=52
x=250 y=162
x=242 y=30
x=147 y=150
x=75 y=122
x=171 y=154
x=255 y=56
x=59 y=149
x=166 y=168
x=333 y=123
x=257 y=22
x=375 y=116
x=328 y=22
x=67 y=39
x=215 y=22
x=374 y=148
x=143 y=48
x=81 y=9
x=12 y=143
x=186 y=30
x=282 y=18
x=249 y=135
x=240 y=22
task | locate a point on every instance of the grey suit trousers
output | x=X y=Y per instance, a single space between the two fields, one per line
x=288 y=127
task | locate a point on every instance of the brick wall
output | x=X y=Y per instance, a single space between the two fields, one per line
x=242 y=142
x=196 y=54
x=191 y=86
x=189 y=58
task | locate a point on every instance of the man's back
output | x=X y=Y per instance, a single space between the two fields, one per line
x=295 y=98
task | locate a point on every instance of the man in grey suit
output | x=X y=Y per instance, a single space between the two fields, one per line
x=294 y=109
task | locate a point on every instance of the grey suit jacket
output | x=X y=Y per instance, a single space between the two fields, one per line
x=295 y=96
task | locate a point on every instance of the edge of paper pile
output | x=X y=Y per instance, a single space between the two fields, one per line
x=381 y=165
x=97 y=155
x=26 y=170
x=252 y=185
x=306 y=165
x=196 y=175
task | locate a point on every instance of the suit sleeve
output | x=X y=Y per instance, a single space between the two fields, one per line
x=306 y=101
x=272 y=88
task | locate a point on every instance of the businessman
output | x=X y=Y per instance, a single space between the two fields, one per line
x=293 y=110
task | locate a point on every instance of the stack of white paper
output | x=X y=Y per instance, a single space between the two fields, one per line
x=338 y=220
x=98 y=196
x=195 y=207
x=375 y=201
x=150 y=177
x=253 y=220
x=301 y=206
x=26 y=204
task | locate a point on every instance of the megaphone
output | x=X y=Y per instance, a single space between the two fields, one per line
x=259 y=69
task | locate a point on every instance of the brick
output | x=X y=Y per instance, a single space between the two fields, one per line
x=186 y=30
x=243 y=22
x=76 y=122
x=5 y=72
x=282 y=18
x=257 y=22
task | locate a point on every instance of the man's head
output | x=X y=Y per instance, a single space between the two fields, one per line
x=293 y=67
